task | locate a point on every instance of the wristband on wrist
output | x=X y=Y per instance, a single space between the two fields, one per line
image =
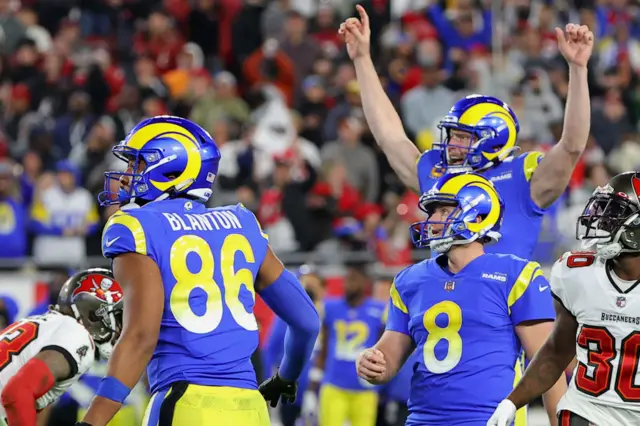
x=113 y=389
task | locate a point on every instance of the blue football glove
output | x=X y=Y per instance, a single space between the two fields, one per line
x=275 y=388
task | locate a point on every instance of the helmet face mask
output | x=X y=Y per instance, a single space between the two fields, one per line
x=94 y=299
x=610 y=220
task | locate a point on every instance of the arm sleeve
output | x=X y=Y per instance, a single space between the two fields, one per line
x=397 y=314
x=286 y=297
x=275 y=344
x=526 y=165
x=124 y=233
x=530 y=297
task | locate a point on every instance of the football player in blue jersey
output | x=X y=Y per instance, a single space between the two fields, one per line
x=468 y=313
x=350 y=324
x=479 y=133
x=191 y=274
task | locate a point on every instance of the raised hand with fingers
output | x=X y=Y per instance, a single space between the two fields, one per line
x=576 y=44
x=356 y=34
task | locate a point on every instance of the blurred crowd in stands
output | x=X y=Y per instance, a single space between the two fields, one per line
x=271 y=82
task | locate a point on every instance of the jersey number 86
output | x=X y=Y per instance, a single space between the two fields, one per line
x=232 y=281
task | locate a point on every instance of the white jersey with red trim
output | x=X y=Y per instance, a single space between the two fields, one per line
x=605 y=388
x=23 y=340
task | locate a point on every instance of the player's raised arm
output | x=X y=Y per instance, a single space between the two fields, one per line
x=140 y=279
x=381 y=363
x=31 y=382
x=284 y=294
x=383 y=120
x=552 y=176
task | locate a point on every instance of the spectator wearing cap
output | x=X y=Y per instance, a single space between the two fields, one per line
x=350 y=106
x=13 y=221
x=221 y=101
x=362 y=169
x=62 y=215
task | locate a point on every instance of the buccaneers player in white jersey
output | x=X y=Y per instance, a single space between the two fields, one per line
x=597 y=300
x=42 y=356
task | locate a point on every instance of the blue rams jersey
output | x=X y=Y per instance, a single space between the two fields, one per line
x=209 y=259
x=522 y=217
x=350 y=330
x=463 y=328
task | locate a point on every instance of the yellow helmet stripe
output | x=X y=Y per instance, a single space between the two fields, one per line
x=185 y=138
x=456 y=183
x=477 y=112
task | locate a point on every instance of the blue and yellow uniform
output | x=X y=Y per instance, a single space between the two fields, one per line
x=343 y=395
x=209 y=259
x=512 y=178
x=463 y=326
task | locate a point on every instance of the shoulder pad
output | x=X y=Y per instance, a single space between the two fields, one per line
x=124 y=233
x=530 y=162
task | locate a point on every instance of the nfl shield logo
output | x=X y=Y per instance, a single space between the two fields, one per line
x=621 y=301
x=449 y=285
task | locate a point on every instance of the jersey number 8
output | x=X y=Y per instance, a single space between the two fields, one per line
x=450 y=333
x=232 y=281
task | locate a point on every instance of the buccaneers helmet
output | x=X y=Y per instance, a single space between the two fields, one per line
x=611 y=219
x=94 y=298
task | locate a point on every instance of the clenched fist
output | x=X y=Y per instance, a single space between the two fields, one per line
x=371 y=366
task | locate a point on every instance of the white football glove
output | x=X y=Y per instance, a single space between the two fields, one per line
x=504 y=415
x=309 y=404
